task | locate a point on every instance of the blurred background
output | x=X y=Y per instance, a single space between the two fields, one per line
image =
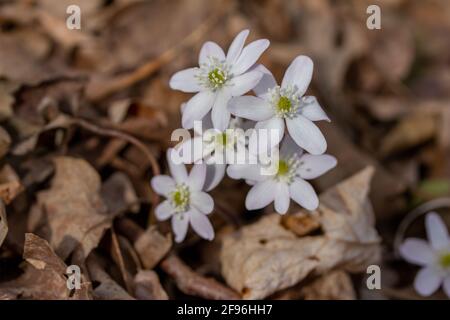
x=386 y=90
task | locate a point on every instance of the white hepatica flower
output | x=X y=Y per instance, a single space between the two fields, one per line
x=433 y=257
x=186 y=203
x=219 y=78
x=289 y=181
x=276 y=105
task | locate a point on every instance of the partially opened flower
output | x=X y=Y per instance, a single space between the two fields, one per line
x=288 y=181
x=433 y=257
x=186 y=203
x=278 y=106
x=218 y=78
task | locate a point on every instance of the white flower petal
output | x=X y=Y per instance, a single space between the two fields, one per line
x=266 y=136
x=178 y=171
x=260 y=195
x=250 y=107
x=193 y=150
x=282 y=198
x=289 y=147
x=210 y=50
x=164 y=210
x=417 y=251
x=185 y=80
x=312 y=110
x=303 y=193
x=162 y=184
x=267 y=81
x=299 y=73
x=245 y=171
x=307 y=135
x=220 y=115
x=197 y=107
x=214 y=174
x=236 y=47
x=447 y=286
x=313 y=166
x=180 y=223
x=427 y=281
x=201 y=225
x=245 y=82
x=202 y=202
x=197 y=176
x=437 y=231
x=249 y=55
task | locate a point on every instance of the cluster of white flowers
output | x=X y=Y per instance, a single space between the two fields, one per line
x=220 y=83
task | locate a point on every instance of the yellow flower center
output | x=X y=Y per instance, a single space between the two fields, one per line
x=216 y=77
x=180 y=198
x=283 y=168
x=445 y=260
x=284 y=104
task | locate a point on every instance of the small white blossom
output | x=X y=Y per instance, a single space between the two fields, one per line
x=219 y=78
x=186 y=203
x=278 y=106
x=433 y=257
x=289 y=181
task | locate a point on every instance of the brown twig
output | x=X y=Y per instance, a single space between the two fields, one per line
x=191 y=283
x=121 y=135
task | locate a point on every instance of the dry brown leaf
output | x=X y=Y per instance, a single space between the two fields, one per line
x=192 y=283
x=5 y=142
x=107 y=288
x=6 y=100
x=10 y=185
x=3 y=223
x=118 y=194
x=301 y=224
x=72 y=208
x=44 y=276
x=336 y=285
x=152 y=246
x=265 y=257
x=412 y=131
x=148 y=287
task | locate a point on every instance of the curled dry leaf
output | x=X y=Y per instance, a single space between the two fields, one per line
x=265 y=257
x=44 y=276
x=3 y=223
x=72 y=211
x=148 y=287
